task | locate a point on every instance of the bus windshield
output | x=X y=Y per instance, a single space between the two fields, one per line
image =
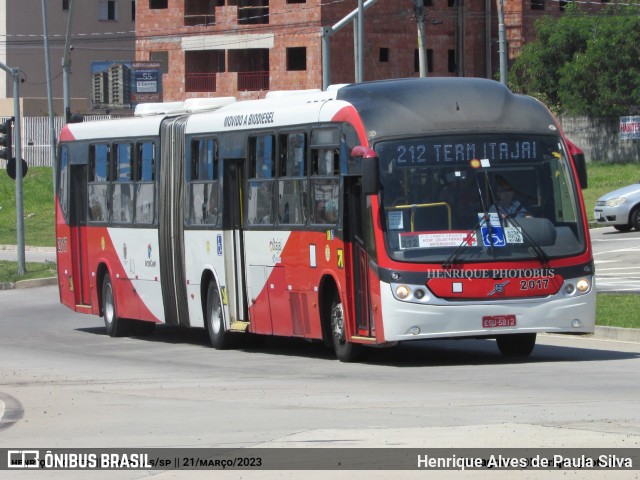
x=476 y=198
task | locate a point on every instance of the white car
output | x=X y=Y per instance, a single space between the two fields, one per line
x=620 y=208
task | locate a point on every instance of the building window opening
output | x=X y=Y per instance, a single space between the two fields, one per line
x=201 y=67
x=384 y=55
x=200 y=12
x=252 y=12
x=157 y=4
x=296 y=58
x=537 y=4
x=252 y=66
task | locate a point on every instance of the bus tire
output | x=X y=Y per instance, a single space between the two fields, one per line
x=114 y=324
x=220 y=338
x=345 y=350
x=516 y=345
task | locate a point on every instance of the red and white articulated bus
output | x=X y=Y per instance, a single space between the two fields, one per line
x=364 y=215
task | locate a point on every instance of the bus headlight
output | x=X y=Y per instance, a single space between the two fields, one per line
x=410 y=293
x=402 y=292
x=583 y=285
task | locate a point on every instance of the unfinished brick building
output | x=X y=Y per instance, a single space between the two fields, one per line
x=243 y=48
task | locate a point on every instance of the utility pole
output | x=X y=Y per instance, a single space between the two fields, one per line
x=487 y=38
x=422 y=39
x=52 y=129
x=460 y=37
x=502 y=43
x=360 y=63
x=15 y=73
x=327 y=32
x=66 y=67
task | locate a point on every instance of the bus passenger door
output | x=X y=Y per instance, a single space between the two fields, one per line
x=78 y=220
x=355 y=208
x=234 y=258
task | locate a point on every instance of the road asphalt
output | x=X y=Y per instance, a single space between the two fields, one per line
x=48 y=254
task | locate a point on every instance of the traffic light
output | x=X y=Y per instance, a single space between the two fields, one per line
x=6 y=134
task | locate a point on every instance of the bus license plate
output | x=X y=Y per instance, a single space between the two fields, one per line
x=493 y=321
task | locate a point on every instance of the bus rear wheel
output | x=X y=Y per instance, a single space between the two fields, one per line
x=345 y=350
x=115 y=325
x=516 y=345
x=220 y=338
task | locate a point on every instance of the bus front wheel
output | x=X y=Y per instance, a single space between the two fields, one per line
x=345 y=350
x=516 y=345
x=115 y=325
x=220 y=338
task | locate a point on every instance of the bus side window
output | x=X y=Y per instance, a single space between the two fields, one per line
x=63 y=180
x=260 y=204
x=122 y=192
x=145 y=183
x=99 y=176
x=325 y=171
x=292 y=182
x=261 y=156
x=261 y=174
x=325 y=196
x=203 y=182
x=325 y=161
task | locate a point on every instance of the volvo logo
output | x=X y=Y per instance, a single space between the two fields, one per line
x=498 y=288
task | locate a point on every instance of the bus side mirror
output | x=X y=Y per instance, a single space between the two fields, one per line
x=579 y=162
x=370 y=169
x=581 y=168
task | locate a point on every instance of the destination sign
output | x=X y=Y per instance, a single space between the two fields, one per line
x=458 y=150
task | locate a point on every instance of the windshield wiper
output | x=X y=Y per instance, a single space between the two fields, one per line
x=453 y=258
x=538 y=250
x=511 y=217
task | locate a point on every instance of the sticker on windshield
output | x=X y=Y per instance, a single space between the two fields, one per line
x=496 y=235
x=395 y=220
x=437 y=239
x=493 y=236
x=513 y=235
x=491 y=230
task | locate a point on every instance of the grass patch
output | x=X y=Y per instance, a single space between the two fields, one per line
x=8 y=271
x=613 y=310
x=39 y=215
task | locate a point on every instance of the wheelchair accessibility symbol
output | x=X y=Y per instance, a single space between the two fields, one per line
x=493 y=237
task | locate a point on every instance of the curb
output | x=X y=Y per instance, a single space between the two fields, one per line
x=33 y=283
x=617 y=333
x=27 y=248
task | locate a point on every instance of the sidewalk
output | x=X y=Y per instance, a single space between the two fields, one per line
x=31 y=254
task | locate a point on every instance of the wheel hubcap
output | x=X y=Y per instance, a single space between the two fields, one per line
x=337 y=321
x=108 y=305
x=216 y=315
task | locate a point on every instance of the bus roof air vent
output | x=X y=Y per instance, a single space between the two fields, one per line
x=166 y=108
x=336 y=86
x=193 y=105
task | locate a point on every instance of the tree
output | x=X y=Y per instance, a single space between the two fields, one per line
x=584 y=64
